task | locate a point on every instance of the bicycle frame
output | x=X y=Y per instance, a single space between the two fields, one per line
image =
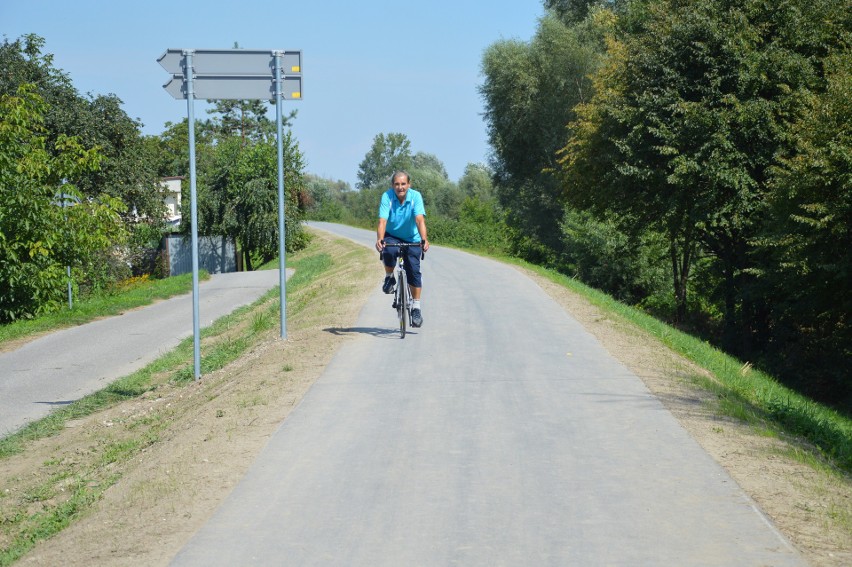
x=402 y=294
x=401 y=300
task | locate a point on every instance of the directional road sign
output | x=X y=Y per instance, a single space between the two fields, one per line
x=235 y=87
x=232 y=62
x=233 y=74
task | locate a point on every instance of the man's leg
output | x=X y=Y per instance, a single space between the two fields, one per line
x=414 y=260
x=389 y=262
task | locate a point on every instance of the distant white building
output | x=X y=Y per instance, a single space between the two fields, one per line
x=172 y=200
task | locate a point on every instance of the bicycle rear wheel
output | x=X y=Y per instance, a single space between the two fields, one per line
x=402 y=302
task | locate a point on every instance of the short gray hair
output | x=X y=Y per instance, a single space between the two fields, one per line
x=399 y=173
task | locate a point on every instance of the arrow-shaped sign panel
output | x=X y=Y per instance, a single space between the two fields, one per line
x=222 y=62
x=234 y=87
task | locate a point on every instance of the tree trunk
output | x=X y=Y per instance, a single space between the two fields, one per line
x=730 y=339
x=681 y=262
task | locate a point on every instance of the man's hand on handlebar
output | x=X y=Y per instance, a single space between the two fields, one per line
x=423 y=244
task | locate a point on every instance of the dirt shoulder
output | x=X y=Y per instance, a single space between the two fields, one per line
x=204 y=436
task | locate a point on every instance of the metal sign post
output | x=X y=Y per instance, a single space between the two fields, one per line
x=233 y=74
x=67 y=200
x=193 y=214
x=282 y=251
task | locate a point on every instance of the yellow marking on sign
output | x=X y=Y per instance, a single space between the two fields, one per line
x=296 y=95
x=295 y=69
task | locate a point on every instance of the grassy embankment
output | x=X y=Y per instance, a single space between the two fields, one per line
x=66 y=490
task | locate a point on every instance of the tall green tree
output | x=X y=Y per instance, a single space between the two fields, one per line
x=97 y=121
x=688 y=117
x=126 y=171
x=575 y=11
x=238 y=196
x=244 y=118
x=529 y=91
x=430 y=162
x=724 y=126
x=247 y=119
x=476 y=182
x=39 y=237
x=388 y=153
x=429 y=176
x=168 y=152
x=23 y=62
x=809 y=239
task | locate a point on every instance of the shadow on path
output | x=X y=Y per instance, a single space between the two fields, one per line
x=374 y=331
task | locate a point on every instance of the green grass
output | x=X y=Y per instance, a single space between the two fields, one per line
x=51 y=520
x=103 y=305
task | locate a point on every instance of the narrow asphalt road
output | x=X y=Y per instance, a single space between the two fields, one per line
x=500 y=433
x=64 y=366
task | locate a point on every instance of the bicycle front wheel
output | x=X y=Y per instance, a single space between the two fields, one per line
x=402 y=302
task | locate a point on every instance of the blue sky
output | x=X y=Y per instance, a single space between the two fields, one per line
x=369 y=66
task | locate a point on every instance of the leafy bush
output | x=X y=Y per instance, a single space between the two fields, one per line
x=601 y=255
x=329 y=211
x=479 y=226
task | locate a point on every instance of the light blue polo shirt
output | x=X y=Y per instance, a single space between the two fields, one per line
x=400 y=216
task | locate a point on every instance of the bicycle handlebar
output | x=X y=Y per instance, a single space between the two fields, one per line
x=402 y=245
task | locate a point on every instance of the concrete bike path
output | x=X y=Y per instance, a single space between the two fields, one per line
x=500 y=433
x=66 y=365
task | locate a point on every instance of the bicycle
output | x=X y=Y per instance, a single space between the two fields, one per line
x=402 y=294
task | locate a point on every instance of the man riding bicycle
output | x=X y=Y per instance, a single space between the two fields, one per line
x=402 y=218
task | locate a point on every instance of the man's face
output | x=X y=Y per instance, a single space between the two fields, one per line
x=400 y=187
